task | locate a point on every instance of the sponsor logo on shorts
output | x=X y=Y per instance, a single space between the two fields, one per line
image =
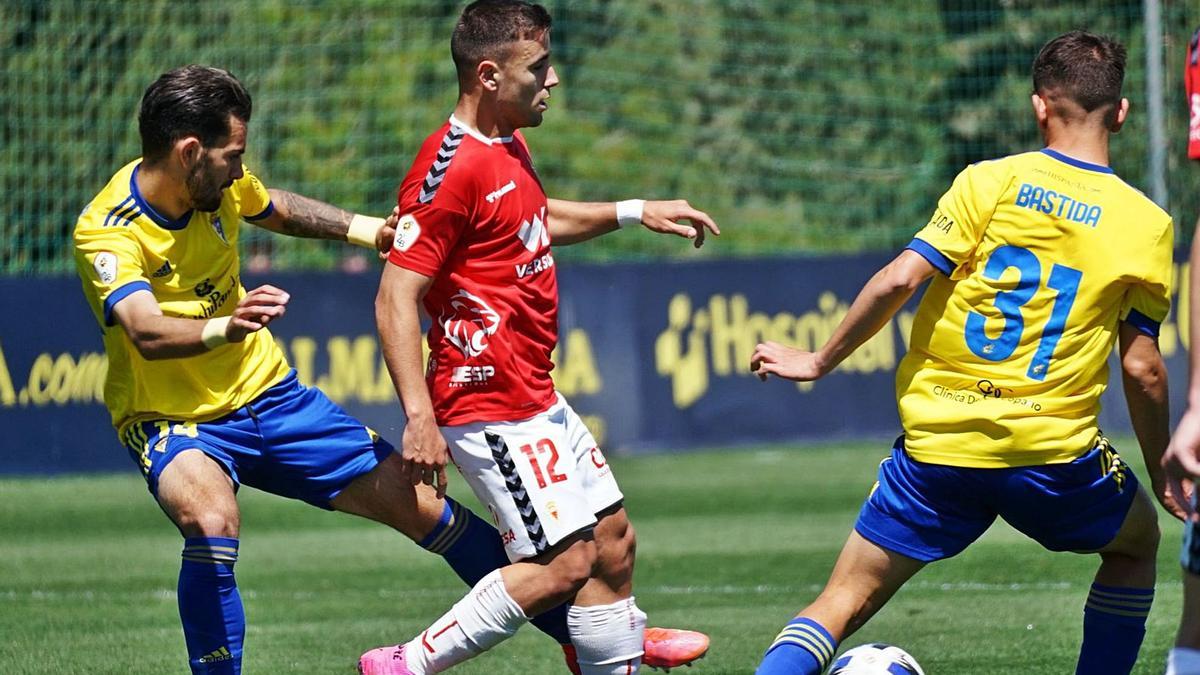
x=598 y=458
x=217 y=656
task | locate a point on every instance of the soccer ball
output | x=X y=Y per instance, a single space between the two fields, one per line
x=875 y=659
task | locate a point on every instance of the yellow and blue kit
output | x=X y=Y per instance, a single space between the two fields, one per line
x=122 y=245
x=240 y=403
x=1041 y=256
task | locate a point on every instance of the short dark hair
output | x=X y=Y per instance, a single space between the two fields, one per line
x=190 y=101
x=487 y=27
x=1085 y=68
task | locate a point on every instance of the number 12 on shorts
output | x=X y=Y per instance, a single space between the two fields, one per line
x=544 y=447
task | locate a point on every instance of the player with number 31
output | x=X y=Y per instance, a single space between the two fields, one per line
x=1041 y=262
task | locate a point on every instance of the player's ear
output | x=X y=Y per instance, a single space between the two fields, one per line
x=1041 y=110
x=1119 y=115
x=489 y=75
x=188 y=150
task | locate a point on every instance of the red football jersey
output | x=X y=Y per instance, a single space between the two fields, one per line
x=474 y=219
x=1191 y=79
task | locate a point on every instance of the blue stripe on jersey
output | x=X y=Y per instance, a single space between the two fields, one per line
x=119 y=207
x=1143 y=323
x=126 y=216
x=120 y=294
x=264 y=213
x=935 y=257
x=1078 y=163
x=159 y=219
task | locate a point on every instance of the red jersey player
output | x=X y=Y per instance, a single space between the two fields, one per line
x=473 y=244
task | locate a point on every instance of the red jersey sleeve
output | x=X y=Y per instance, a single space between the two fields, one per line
x=424 y=238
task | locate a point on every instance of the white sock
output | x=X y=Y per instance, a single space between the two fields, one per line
x=607 y=638
x=1183 y=661
x=484 y=618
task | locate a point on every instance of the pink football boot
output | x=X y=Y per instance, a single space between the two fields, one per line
x=384 y=661
x=668 y=648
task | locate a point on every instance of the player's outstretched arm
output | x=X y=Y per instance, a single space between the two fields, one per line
x=573 y=222
x=299 y=216
x=1144 y=376
x=162 y=337
x=424 y=450
x=874 y=307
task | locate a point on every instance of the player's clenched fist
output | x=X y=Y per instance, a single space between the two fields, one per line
x=258 y=308
x=425 y=453
x=772 y=358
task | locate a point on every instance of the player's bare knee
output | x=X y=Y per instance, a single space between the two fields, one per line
x=1139 y=536
x=208 y=523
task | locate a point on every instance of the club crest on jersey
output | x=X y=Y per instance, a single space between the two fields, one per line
x=468 y=323
x=407 y=231
x=106 y=266
x=533 y=233
x=219 y=229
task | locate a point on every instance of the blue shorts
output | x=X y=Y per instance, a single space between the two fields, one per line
x=932 y=511
x=291 y=441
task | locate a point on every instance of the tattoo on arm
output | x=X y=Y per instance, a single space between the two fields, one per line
x=300 y=216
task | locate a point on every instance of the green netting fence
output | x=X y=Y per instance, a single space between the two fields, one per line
x=803 y=125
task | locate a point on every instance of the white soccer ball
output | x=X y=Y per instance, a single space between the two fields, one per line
x=875 y=659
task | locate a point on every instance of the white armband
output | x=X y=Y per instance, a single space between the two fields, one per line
x=629 y=212
x=213 y=333
x=364 y=230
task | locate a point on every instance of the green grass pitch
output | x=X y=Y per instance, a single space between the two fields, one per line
x=730 y=543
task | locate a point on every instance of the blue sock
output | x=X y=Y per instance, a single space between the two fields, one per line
x=803 y=647
x=1114 y=623
x=473 y=549
x=210 y=607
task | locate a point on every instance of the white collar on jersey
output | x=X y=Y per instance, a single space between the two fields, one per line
x=474 y=133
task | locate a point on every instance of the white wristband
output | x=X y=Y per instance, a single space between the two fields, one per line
x=213 y=333
x=363 y=230
x=629 y=212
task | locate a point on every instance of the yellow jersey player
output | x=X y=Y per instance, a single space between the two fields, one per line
x=199 y=392
x=1041 y=263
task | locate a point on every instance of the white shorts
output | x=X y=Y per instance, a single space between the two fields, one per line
x=542 y=478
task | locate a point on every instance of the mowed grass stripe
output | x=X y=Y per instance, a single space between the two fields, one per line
x=732 y=543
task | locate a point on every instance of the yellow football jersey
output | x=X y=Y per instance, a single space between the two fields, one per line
x=191 y=266
x=1041 y=256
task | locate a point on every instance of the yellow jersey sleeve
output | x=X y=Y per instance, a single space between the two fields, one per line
x=111 y=260
x=254 y=202
x=961 y=217
x=1147 y=301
